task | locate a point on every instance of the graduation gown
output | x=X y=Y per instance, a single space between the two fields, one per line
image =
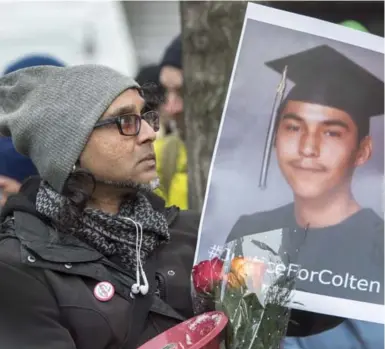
x=350 y=255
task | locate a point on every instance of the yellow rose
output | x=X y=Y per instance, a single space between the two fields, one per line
x=243 y=269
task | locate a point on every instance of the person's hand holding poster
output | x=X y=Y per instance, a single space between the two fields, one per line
x=300 y=154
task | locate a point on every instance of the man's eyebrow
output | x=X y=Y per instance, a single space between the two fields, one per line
x=291 y=116
x=333 y=122
x=127 y=109
x=337 y=123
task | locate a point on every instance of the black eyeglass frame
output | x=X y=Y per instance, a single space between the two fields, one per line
x=138 y=122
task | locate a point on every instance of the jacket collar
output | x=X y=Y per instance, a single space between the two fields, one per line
x=25 y=200
x=46 y=242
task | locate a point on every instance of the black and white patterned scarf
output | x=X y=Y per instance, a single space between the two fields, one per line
x=111 y=235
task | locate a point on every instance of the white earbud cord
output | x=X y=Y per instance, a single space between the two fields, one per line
x=137 y=287
x=137 y=255
x=144 y=288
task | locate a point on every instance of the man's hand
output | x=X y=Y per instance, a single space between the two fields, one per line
x=8 y=186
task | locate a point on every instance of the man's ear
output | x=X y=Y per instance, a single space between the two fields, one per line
x=364 y=153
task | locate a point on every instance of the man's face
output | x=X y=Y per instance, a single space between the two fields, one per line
x=317 y=149
x=114 y=158
x=172 y=80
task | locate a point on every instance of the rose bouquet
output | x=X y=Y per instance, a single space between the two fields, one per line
x=256 y=307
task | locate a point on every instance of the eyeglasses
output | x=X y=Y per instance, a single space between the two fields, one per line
x=129 y=124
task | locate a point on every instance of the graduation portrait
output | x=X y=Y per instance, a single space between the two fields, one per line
x=299 y=160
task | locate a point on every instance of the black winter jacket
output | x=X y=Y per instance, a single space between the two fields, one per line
x=47 y=286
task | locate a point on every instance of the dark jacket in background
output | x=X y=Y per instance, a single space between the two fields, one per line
x=47 y=299
x=13 y=164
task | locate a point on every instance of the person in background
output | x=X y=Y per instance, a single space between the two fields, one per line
x=149 y=75
x=173 y=166
x=14 y=167
x=92 y=258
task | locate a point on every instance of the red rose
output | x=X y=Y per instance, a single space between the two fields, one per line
x=206 y=274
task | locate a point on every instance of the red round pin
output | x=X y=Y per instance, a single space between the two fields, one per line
x=104 y=291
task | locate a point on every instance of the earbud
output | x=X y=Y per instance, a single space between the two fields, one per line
x=143 y=289
x=135 y=288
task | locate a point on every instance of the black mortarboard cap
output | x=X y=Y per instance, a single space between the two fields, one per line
x=324 y=76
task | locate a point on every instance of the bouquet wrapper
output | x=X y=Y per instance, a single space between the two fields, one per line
x=239 y=284
x=200 y=332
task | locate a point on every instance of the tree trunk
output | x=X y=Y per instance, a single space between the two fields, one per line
x=210 y=34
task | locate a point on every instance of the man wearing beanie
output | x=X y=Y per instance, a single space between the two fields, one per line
x=173 y=167
x=14 y=167
x=90 y=258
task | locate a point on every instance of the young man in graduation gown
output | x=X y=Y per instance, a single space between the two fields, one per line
x=321 y=137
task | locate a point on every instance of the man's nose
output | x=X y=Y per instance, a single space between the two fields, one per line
x=147 y=133
x=309 y=144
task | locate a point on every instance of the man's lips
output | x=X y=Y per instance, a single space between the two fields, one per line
x=307 y=167
x=150 y=157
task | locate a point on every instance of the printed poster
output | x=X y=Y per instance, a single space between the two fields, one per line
x=299 y=163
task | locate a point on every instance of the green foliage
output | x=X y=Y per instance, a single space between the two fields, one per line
x=251 y=324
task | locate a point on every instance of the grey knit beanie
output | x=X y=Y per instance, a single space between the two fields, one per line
x=50 y=113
